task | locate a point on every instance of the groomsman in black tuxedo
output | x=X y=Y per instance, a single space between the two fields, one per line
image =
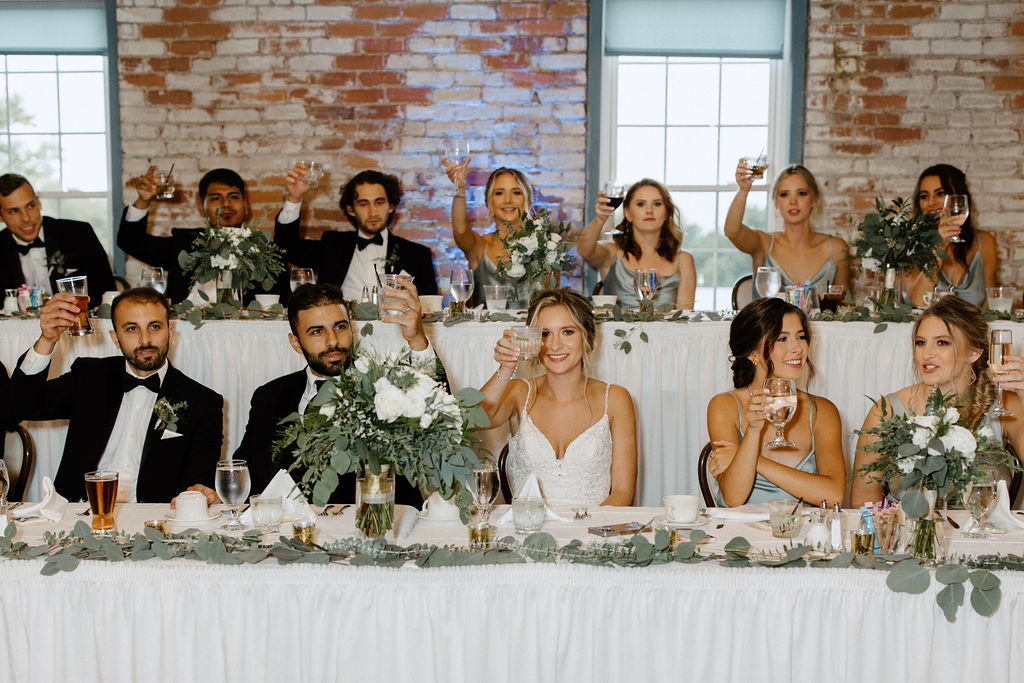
x=350 y=259
x=133 y=413
x=322 y=333
x=38 y=249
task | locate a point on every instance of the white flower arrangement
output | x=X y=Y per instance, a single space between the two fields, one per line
x=244 y=251
x=537 y=249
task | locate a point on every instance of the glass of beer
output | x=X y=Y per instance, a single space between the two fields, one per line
x=77 y=287
x=101 y=489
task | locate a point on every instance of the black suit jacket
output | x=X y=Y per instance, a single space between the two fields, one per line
x=76 y=241
x=273 y=402
x=331 y=255
x=90 y=394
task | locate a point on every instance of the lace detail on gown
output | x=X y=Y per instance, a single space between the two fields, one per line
x=584 y=473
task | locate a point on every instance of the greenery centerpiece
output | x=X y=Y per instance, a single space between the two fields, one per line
x=386 y=414
x=936 y=458
x=535 y=251
x=236 y=258
x=895 y=239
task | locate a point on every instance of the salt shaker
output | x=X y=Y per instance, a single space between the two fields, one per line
x=837 y=528
x=818 y=535
x=365 y=297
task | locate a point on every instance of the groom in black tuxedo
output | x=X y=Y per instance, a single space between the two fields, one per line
x=134 y=413
x=322 y=333
x=38 y=249
x=350 y=259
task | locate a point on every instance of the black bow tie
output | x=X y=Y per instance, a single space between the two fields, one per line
x=25 y=248
x=130 y=381
x=363 y=242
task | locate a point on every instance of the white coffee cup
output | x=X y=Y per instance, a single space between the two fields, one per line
x=190 y=506
x=268 y=300
x=437 y=509
x=604 y=299
x=680 y=508
x=431 y=303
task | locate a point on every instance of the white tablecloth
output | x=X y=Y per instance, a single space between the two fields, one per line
x=182 y=621
x=671 y=378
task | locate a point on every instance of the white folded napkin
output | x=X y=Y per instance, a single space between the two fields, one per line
x=406 y=521
x=52 y=506
x=531 y=488
x=293 y=503
x=1002 y=517
x=755 y=512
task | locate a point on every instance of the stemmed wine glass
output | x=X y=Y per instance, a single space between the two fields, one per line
x=1000 y=344
x=615 y=192
x=484 y=487
x=154 y=277
x=232 y=484
x=461 y=287
x=956 y=205
x=301 y=276
x=646 y=283
x=980 y=499
x=781 y=406
x=457 y=151
x=768 y=281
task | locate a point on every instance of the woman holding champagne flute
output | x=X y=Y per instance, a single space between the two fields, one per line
x=769 y=340
x=649 y=236
x=578 y=435
x=799 y=252
x=969 y=264
x=951 y=351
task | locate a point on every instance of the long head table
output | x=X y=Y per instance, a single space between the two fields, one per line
x=671 y=377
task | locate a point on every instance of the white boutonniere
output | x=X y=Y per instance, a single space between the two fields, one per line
x=55 y=263
x=167 y=413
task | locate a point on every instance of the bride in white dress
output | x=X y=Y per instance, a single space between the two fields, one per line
x=578 y=435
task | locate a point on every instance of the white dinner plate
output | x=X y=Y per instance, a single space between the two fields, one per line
x=422 y=516
x=702 y=520
x=171 y=516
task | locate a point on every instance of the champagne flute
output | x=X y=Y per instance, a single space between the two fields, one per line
x=615 y=192
x=461 y=287
x=980 y=500
x=232 y=484
x=301 y=276
x=645 y=281
x=956 y=205
x=155 y=278
x=781 y=406
x=484 y=487
x=1000 y=343
x=768 y=281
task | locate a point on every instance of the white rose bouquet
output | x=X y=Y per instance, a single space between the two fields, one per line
x=386 y=410
x=537 y=249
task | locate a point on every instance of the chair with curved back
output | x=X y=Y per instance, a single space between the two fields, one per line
x=742 y=292
x=704 y=477
x=1015 y=481
x=506 y=489
x=21 y=474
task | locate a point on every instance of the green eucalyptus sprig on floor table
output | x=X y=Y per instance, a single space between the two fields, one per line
x=197 y=315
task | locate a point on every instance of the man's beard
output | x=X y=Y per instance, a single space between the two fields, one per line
x=144 y=364
x=323 y=367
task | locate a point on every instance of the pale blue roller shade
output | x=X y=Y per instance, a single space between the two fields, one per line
x=53 y=27
x=695 y=28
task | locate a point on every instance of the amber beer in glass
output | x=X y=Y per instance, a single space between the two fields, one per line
x=101 y=489
x=77 y=287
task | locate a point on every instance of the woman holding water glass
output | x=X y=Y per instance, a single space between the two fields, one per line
x=799 y=252
x=578 y=435
x=769 y=340
x=969 y=264
x=649 y=236
x=951 y=351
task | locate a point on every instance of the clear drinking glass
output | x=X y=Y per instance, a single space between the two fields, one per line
x=757 y=165
x=527 y=515
x=1001 y=298
x=956 y=205
x=980 y=499
x=484 y=487
x=496 y=297
x=154 y=277
x=457 y=151
x=781 y=406
x=301 y=276
x=646 y=283
x=461 y=286
x=615 y=192
x=528 y=339
x=77 y=287
x=267 y=513
x=313 y=172
x=165 y=181
x=1000 y=344
x=232 y=484
x=768 y=281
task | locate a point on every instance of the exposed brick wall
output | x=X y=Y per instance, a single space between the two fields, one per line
x=257 y=85
x=894 y=87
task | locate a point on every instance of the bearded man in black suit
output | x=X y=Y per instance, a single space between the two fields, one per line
x=38 y=249
x=322 y=333
x=351 y=259
x=134 y=413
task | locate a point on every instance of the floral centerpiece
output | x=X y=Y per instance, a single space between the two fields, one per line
x=895 y=239
x=243 y=254
x=536 y=250
x=936 y=457
x=386 y=414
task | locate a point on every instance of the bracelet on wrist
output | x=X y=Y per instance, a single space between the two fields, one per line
x=459 y=194
x=497 y=373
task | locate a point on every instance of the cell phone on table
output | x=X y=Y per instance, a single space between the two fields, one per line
x=618 y=529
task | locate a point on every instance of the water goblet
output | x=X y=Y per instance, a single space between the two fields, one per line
x=768 y=281
x=155 y=278
x=232 y=484
x=956 y=206
x=646 y=283
x=301 y=276
x=781 y=406
x=615 y=192
x=980 y=499
x=461 y=287
x=1000 y=345
x=457 y=151
x=484 y=487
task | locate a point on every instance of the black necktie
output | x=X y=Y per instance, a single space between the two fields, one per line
x=25 y=248
x=363 y=242
x=130 y=381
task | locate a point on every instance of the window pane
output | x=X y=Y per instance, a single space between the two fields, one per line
x=745 y=94
x=739 y=142
x=693 y=94
x=92 y=210
x=692 y=156
x=754 y=216
x=37 y=157
x=640 y=153
x=697 y=211
x=31 y=62
x=85 y=163
x=80 y=62
x=641 y=94
x=82 y=103
x=34 y=102
x=3 y=105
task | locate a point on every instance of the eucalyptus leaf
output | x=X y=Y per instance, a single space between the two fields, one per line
x=986 y=602
x=915 y=505
x=951 y=573
x=738 y=545
x=540 y=547
x=82 y=530
x=908 y=576
x=984 y=580
x=950 y=599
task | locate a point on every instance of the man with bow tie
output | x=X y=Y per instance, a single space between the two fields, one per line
x=351 y=259
x=134 y=413
x=38 y=250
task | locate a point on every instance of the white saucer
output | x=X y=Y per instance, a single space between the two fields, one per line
x=171 y=516
x=422 y=516
x=702 y=520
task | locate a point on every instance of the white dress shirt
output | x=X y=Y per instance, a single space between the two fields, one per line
x=360 y=270
x=33 y=264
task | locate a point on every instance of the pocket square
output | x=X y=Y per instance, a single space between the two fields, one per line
x=168 y=434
